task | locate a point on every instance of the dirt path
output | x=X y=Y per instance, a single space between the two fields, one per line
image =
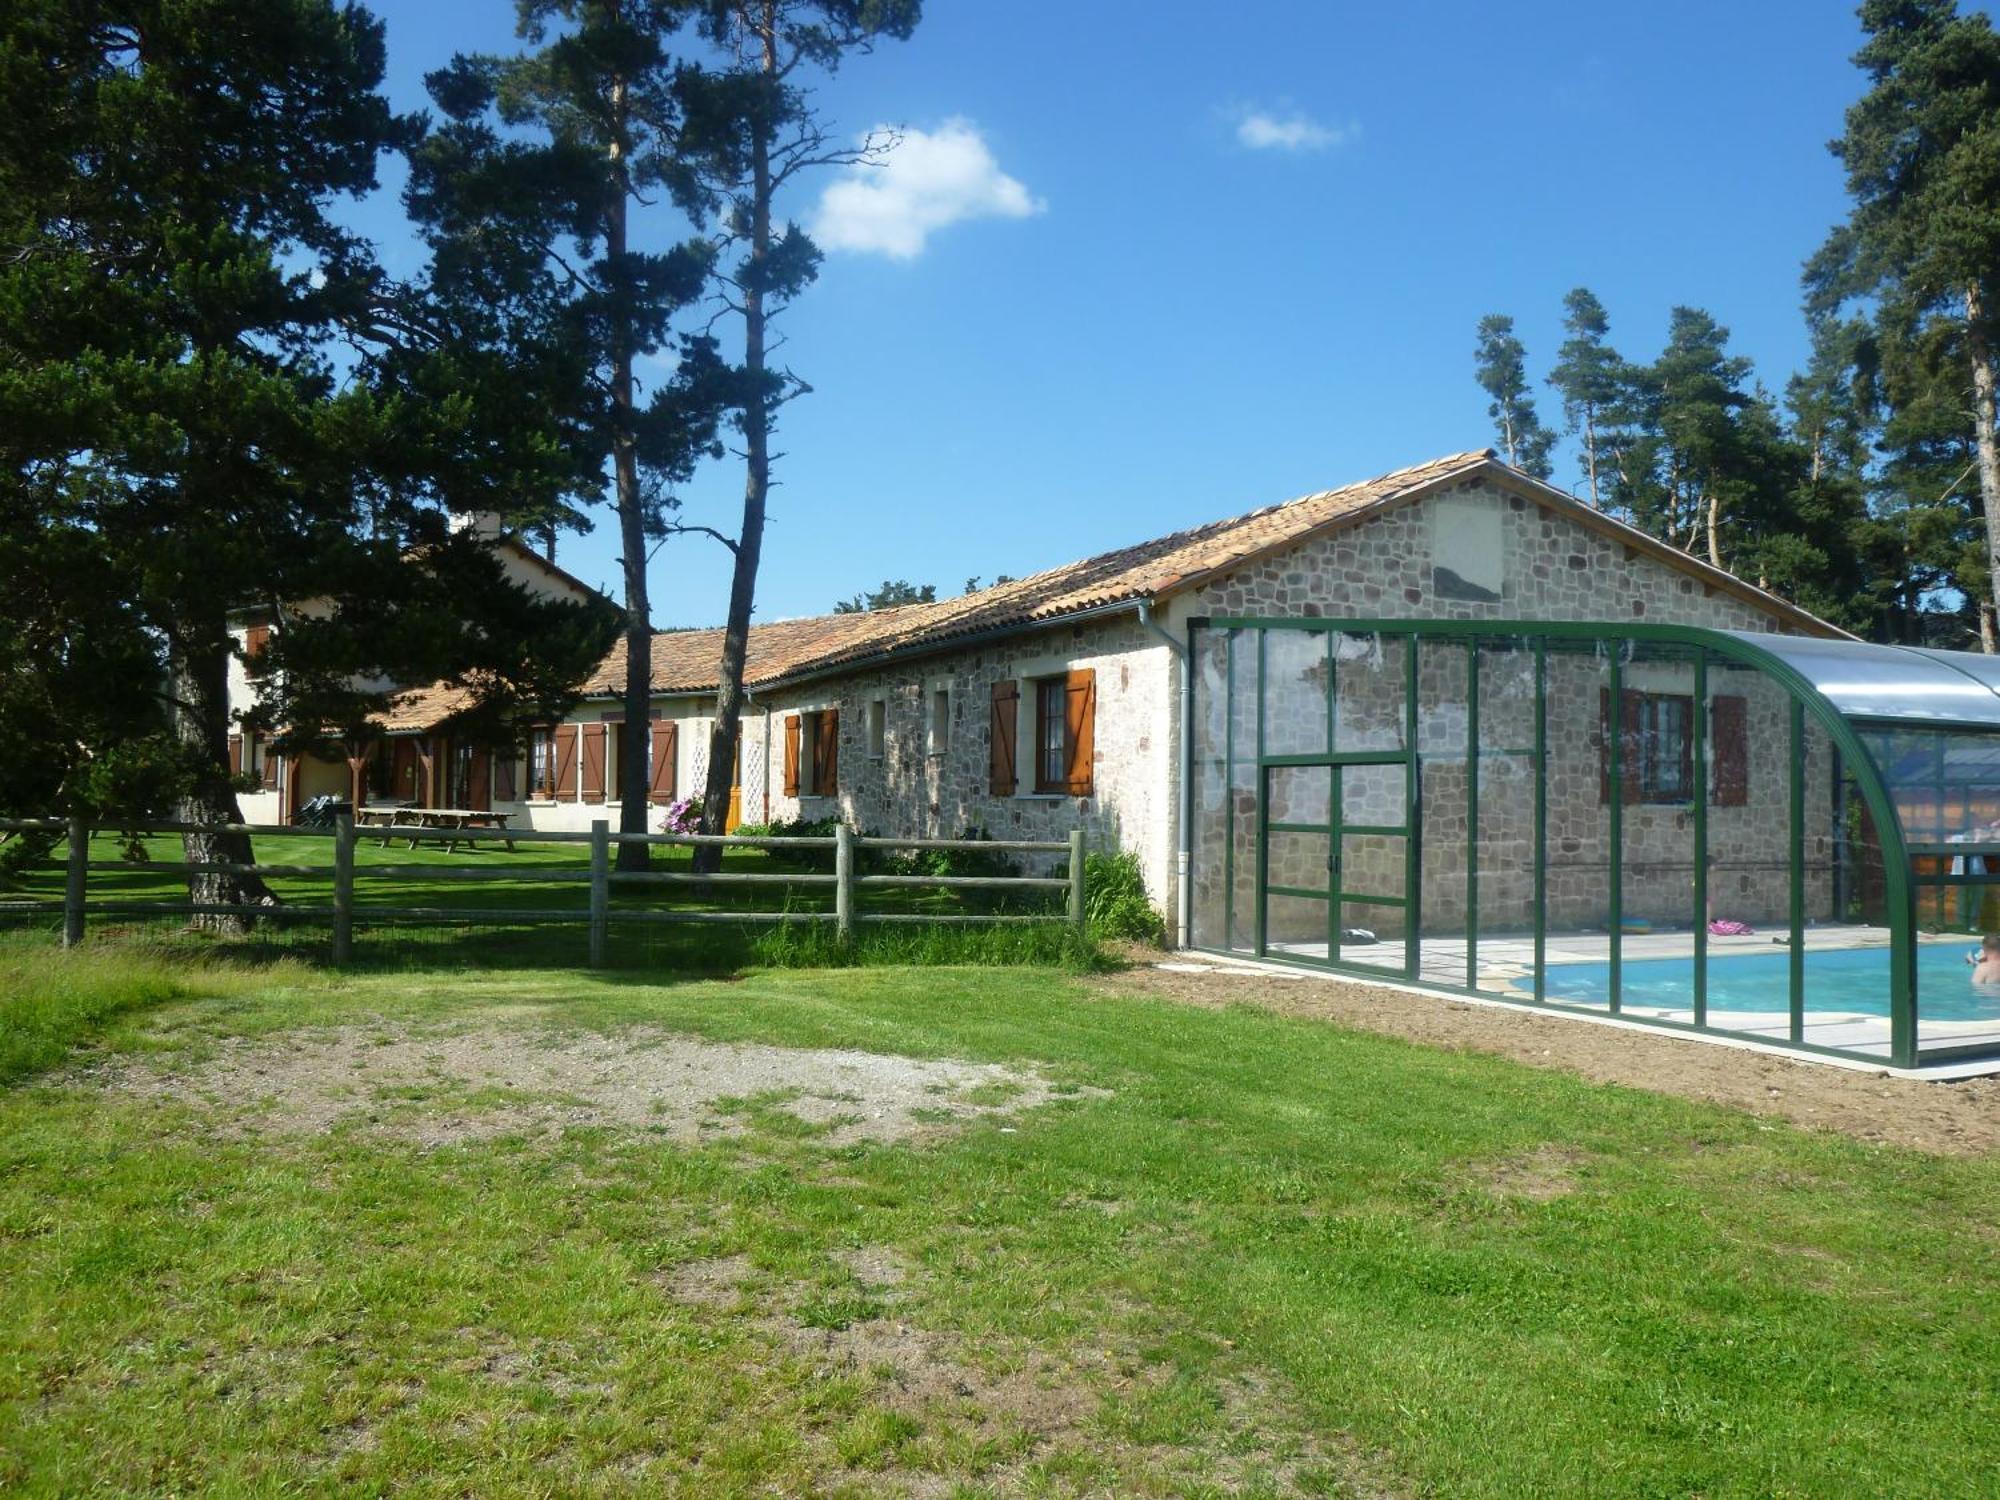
x=1960 y=1119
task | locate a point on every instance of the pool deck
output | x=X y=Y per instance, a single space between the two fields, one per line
x=1506 y=970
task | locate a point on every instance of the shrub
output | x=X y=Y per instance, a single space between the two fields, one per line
x=1115 y=902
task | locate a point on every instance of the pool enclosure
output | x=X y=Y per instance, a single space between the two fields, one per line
x=1779 y=837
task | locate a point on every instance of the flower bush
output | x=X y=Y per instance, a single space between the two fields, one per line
x=683 y=816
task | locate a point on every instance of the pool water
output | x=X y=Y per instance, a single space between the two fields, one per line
x=1850 y=980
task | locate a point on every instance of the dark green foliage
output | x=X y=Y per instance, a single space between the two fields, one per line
x=1589 y=376
x=1115 y=902
x=1500 y=366
x=1918 y=259
x=892 y=593
x=205 y=404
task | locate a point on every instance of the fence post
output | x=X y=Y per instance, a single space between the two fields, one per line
x=343 y=887
x=600 y=888
x=843 y=881
x=1076 y=878
x=73 y=883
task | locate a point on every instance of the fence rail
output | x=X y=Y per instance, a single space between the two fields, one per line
x=344 y=915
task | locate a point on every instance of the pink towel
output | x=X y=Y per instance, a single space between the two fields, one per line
x=1724 y=927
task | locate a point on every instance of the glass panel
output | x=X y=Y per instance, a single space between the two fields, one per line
x=1295 y=692
x=1375 y=795
x=1373 y=864
x=1370 y=692
x=1946 y=788
x=1300 y=794
x=1372 y=936
x=1208 y=821
x=1299 y=860
x=1579 y=825
x=1749 y=851
x=1657 y=833
x=1243 y=793
x=1442 y=722
x=1296 y=927
x=1886 y=681
x=1504 y=837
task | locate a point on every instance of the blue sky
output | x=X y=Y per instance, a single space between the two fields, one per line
x=1214 y=258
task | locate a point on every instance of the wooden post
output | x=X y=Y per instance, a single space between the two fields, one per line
x=1076 y=878
x=843 y=877
x=343 y=887
x=600 y=888
x=73 y=883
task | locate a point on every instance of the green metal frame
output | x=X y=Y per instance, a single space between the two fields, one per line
x=1706 y=648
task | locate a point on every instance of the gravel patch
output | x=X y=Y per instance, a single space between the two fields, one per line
x=439 y=1089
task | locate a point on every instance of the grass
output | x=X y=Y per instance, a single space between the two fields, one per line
x=541 y=875
x=1241 y=1254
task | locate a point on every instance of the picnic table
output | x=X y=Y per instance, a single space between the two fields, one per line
x=453 y=825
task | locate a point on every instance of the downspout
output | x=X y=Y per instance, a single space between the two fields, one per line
x=1184 y=803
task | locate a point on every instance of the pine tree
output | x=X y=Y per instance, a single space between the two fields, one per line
x=185 y=426
x=536 y=195
x=1922 y=155
x=1500 y=364
x=763 y=133
x=1588 y=376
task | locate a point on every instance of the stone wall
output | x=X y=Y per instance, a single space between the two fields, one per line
x=1549 y=568
x=920 y=791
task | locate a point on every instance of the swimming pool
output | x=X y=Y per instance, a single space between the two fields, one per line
x=1850 y=980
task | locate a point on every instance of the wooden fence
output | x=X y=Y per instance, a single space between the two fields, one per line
x=343 y=915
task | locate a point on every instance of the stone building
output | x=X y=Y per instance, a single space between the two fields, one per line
x=1057 y=701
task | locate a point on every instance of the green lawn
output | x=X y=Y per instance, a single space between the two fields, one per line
x=533 y=876
x=1228 y=1253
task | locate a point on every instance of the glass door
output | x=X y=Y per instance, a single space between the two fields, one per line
x=1335 y=863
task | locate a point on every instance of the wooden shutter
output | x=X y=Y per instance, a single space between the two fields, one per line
x=236 y=755
x=1629 y=735
x=826 y=754
x=1080 y=730
x=479 y=780
x=791 y=755
x=565 y=790
x=666 y=749
x=271 y=762
x=594 y=737
x=255 y=639
x=1000 y=737
x=1729 y=726
x=506 y=773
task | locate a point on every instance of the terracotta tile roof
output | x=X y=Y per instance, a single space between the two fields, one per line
x=688 y=661
x=417 y=709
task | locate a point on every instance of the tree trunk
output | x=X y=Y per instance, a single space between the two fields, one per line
x=198 y=678
x=1979 y=344
x=723 y=740
x=634 y=736
x=1590 y=455
x=1715 y=530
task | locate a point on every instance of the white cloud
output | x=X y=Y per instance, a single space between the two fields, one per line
x=931 y=179
x=1266 y=130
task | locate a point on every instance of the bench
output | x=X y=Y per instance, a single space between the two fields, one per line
x=452 y=825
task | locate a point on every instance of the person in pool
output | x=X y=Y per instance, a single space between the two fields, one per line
x=1986 y=962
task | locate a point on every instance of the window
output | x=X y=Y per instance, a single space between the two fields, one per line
x=1665 y=747
x=878 y=728
x=1051 y=735
x=812 y=753
x=542 y=763
x=940 y=725
x=1656 y=747
x=1065 y=733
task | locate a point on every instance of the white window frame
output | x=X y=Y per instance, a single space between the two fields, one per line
x=876 y=712
x=938 y=693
